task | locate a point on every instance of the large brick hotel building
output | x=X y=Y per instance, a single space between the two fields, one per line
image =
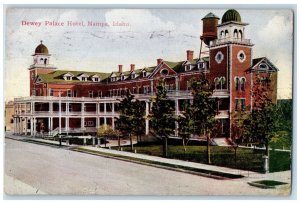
x=64 y=101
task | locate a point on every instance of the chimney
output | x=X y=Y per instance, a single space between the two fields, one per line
x=159 y=61
x=132 y=67
x=189 y=55
x=120 y=68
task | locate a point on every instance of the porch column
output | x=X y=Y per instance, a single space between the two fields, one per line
x=177 y=113
x=49 y=126
x=113 y=123
x=26 y=122
x=176 y=83
x=97 y=108
x=59 y=117
x=152 y=88
x=97 y=122
x=82 y=122
x=14 y=125
x=31 y=126
x=50 y=107
x=34 y=126
x=67 y=124
x=147 y=120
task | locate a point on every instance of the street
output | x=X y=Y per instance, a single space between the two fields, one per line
x=59 y=171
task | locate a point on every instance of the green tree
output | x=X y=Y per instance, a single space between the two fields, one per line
x=131 y=121
x=263 y=122
x=204 y=109
x=106 y=131
x=163 y=116
x=186 y=125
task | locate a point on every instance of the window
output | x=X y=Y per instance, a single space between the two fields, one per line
x=68 y=78
x=146 y=89
x=74 y=93
x=217 y=83
x=241 y=56
x=70 y=108
x=222 y=83
x=144 y=73
x=91 y=94
x=90 y=123
x=133 y=76
x=96 y=79
x=219 y=57
x=164 y=72
x=112 y=79
x=69 y=93
x=235 y=33
x=240 y=104
x=83 y=78
x=243 y=83
x=237 y=84
x=50 y=92
x=122 y=77
x=134 y=90
x=263 y=66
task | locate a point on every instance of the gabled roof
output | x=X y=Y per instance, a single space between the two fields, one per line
x=257 y=61
x=57 y=76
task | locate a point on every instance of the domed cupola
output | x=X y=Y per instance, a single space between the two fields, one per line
x=41 y=49
x=231 y=15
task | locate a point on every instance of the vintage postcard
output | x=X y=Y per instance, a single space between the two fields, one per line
x=148 y=101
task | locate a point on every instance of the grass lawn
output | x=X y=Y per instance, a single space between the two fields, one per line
x=247 y=159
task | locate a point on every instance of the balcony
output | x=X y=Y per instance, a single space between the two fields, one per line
x=230 y=40
x=222 y=114
x=220 y=93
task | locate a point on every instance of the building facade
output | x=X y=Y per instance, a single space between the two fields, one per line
x=63 y=101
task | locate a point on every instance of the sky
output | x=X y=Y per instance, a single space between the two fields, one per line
x=148 y=34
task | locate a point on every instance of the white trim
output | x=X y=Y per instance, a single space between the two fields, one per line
x=221 y=57
x=238 y=56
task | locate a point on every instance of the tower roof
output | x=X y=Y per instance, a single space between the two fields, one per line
x=231 y=15
x=41 y=49
x=210 y=15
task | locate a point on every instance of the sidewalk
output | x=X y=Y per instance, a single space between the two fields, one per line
x=248 y=175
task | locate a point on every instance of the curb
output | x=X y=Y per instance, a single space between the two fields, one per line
x=154 y=165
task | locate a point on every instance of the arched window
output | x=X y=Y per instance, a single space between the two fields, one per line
x=235 y=33
x=237 y=84
x=222 y=83
x=45 y=61
x=243 y=83
x=42 y=59
x=222 y=34
x=226 y=33
x=217 y=83
x=241 y=34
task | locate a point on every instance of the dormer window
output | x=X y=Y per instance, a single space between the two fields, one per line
x=112 y=79
x=68 y=78
x=84 y=78
x=96 y=79
x=122 y=77
x=263 y=66
x=144 y=73
x=133 y=76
